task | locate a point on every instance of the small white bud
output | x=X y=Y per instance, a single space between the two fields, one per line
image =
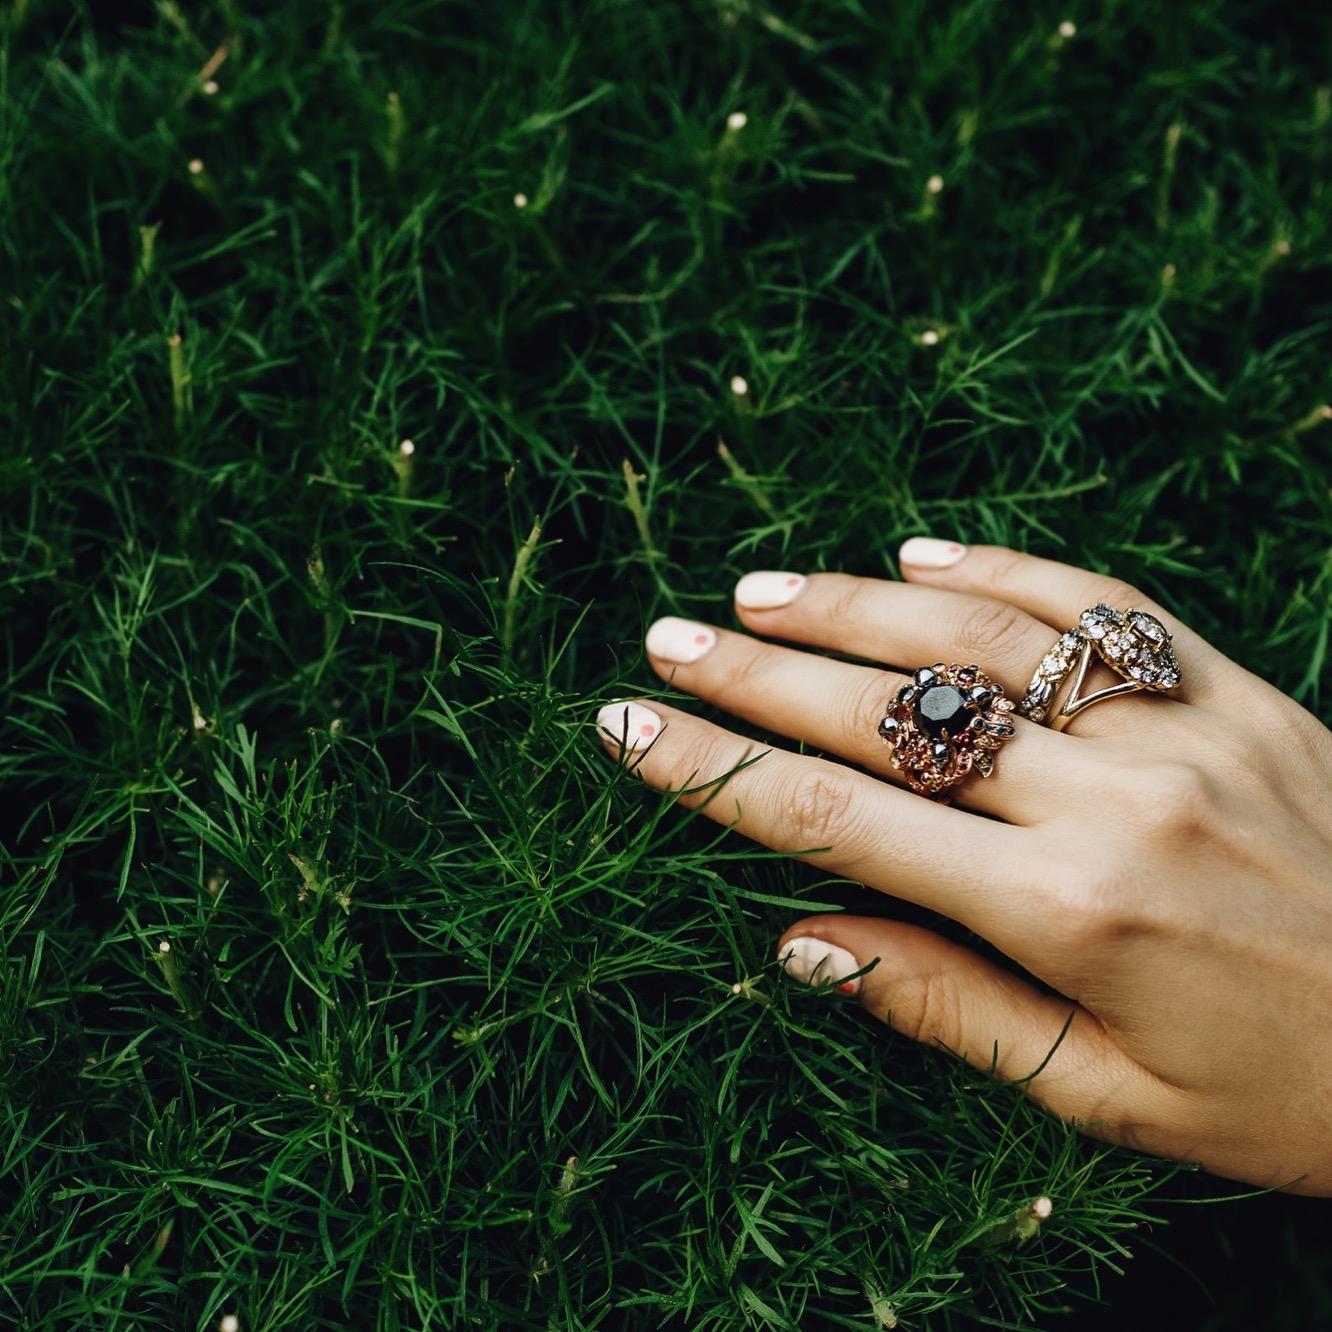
x=196 y=166
x=210 y=87
x=407 y=448
x=737 y=988
x=1042 y=1208
x=739 y=385
x=930 y=338
x=736 y=121
x=935 y=184
x=1068 y=29
x=164 y=947
x=229 y=1323
x=520 y=200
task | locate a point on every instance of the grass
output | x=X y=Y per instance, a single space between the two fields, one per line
x=444 y=1033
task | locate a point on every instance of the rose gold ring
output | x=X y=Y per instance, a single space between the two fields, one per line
x=945 y=722
x=1134 y=644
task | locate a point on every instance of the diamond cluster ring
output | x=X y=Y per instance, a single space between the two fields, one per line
x=1133 y=644
x=945 y=722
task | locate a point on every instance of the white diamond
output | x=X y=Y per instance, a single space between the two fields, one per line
x=1052 y=664
x=1096 y=630
x=1136 y=672
x=1148 y=626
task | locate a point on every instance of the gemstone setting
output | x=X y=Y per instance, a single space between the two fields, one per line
x=946 y=722
x=1133 y=643
x=941 y=708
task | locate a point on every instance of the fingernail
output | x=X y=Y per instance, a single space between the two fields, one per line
x=680 y=641
x=767 y=589
x=629 y=724
x=928 y=553
x=814 y=962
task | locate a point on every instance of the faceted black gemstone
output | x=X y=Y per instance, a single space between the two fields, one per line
x=888 y=726
x=941 y=708
x=923 y=676
x=981 y=696
x=939 y=752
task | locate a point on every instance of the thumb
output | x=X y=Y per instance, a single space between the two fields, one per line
x=941 y=993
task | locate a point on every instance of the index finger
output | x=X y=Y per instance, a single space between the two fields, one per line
x=832 y=816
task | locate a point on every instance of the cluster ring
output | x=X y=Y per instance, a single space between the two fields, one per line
x=944 y=723
x=1133 y=643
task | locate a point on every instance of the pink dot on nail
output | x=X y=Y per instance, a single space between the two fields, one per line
x=792 y=582
x=646 y=729
x=700 y=639
x=955 y=549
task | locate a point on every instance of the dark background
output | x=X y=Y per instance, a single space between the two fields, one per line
x=319 y=717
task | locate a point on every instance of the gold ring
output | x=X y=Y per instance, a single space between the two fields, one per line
x=1134 y=644
x=946 y=721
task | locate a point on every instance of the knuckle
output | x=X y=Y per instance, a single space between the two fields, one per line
x=1170 y=800
x=743 y=667
x=1099 y=911
x=818 y=807
x=847 y=598
x=984 y=625
x=697 y=761
x=931 y=1012
x=1006 y=568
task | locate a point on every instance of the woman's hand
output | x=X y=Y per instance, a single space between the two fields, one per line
x=1165 y=862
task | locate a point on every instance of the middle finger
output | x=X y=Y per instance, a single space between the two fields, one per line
x=836 y=706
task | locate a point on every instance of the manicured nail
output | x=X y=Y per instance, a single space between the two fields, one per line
x=680 y=641
x=767 y=589
x=814 y=962
x=629 y=724
x=927 y=553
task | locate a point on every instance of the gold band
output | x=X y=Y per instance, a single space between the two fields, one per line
x=1132 y=643
x=1074 y=703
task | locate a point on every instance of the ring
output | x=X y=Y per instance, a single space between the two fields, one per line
x=1134 y=644
x=945 y=722
x=1049 y=675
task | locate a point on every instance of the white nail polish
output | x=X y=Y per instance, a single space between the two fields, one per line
x=629 y=724
x=767 y=589
x=929 y=553
x=814 y=962
x=680 y=641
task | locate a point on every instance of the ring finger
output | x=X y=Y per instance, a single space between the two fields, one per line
x=903 y=624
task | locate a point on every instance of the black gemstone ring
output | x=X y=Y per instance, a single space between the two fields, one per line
x=945 y=722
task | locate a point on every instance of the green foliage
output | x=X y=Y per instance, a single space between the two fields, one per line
x=448 y=1032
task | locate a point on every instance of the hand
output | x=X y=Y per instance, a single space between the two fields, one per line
x=1163 y=864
